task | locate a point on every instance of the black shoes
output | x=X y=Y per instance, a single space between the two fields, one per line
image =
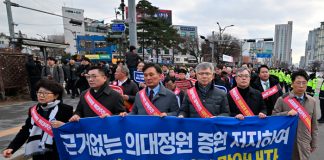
x=321 y=120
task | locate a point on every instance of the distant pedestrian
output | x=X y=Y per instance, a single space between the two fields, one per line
x=132 y=58
x=34 y=70
x=52 y=71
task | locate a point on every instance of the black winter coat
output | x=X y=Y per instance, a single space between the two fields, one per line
x=109 y=98
x=64 y=113
x=253 y=99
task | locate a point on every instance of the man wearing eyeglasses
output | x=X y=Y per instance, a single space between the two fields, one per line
x=244 y=100
x=268 y=86
x=298 y=102
x=204 y=100
x=100 y=99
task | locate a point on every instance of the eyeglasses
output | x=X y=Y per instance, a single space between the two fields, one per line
x=204 y=73
x=301 y=83
x=44 y=93
x=243 y=75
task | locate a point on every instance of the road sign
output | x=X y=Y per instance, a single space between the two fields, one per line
x=263 y=55
x=118 y=27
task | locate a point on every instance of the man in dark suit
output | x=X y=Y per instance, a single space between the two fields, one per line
x=100 y=95
x=155 y=99
x=265 y=82
x=128 y=86
x=244 y=93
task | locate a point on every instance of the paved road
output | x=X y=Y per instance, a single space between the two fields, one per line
x=13 y=116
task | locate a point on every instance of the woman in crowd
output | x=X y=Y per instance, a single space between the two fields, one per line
x=37 y=132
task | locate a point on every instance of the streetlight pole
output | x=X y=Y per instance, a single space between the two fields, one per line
x=221 y=31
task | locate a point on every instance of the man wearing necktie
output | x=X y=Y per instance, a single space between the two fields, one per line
x=306 y=139
x=265 y=82
x=164 y=100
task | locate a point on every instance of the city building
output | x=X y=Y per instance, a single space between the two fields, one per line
x=314 y=49
x=282 y=44
x=4 y=41
x=302 y=62
x=189 y=33
x=87 y=37
x=310 y=48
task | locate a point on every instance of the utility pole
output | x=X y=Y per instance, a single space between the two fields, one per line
x=10 y=22
x=213 y=47
x=132 y=23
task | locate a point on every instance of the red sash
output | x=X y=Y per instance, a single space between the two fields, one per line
x=120 y=90
x=240 y=103
x=303 y=114
x=95 y=106
x=147 y=104
x=41 y=122
x=117 y=89
x=195 y=101
x=177 y=91
x=193 y=81
x=271 y=91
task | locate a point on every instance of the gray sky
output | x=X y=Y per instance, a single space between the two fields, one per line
x=252 y=18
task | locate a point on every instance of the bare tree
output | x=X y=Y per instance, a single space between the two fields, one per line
x=227 y=45
x=190 y=45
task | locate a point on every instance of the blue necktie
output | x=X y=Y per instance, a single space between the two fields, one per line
x=151 y=95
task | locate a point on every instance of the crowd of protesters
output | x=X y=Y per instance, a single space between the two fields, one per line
x=168 y=91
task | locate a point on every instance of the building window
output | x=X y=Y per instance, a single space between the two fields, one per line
x=85 y=44
x=192 y=35
x=183 y=34
x=186 y=59
x=100 y=44
x=177 y=59
x=166 y=52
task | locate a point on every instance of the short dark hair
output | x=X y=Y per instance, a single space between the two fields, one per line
x=131 y=48
x=52 y=86
x=86 y=59
x=182 y=71
x=99 y=68
x=167 y=79
x=149 y=65
x=300 y=72
x=220 y=66
x=51 y=58
x=262 y=66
